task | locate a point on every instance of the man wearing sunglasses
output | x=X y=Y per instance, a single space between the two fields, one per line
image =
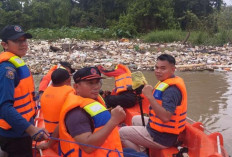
x=17 y=98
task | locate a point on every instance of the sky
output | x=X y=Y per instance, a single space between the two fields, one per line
x=228 y=2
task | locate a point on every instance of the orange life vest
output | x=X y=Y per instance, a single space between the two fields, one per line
x=100 y=117
x=24 y=100
x=52 y=101
x=46 y=79
x=123 y=81
x=178 y=119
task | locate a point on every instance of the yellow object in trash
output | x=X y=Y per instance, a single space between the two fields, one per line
x=138 y=79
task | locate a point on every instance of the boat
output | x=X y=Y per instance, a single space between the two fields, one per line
x=195 y=142
x=39 y=122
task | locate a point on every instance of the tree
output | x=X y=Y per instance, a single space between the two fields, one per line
x=225 y=18
x=40 y=13
x=200 y=8
x=147 y=15
x=99 y=13
x=11 y=5
x=50 y=14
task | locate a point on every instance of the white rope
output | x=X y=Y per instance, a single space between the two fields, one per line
x=37 y=116
x=200 y=125
x=40 y=152
x=219 y=145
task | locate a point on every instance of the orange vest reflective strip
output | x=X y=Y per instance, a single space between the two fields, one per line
x=122 y=82
x=52 y=101
x=46 y=79
x=24 y=92
x=178 y=119
x=95 y=110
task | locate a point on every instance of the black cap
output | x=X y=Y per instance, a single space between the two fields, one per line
x=87 y=73
x=59 y=76
x=13 y=32
x=67 y=65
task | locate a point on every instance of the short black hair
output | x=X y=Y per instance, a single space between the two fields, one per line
x=167 y=57
x=59 y=76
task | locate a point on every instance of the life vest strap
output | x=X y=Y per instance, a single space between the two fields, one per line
x=71 y=151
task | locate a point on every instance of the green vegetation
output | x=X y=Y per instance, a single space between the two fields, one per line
x=208 y=21
x=196 y=37
x=73 y=32
x=165 y=36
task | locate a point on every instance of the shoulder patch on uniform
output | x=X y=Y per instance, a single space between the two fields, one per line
x=10 y=68
x=96 y=108
x=161 y=85
x=10 y=74
x=18 y=60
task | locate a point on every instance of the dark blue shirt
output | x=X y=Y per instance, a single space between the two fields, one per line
x=170 y=99
x=8 y=81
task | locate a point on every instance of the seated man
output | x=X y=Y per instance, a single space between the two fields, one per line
x=84 y=119
x=46 y=80
x=168 y=107
x=54 y=96
x=122 y=94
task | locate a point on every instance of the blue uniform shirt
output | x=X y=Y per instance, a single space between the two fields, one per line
x=8 y=82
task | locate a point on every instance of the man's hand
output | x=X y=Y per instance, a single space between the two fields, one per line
x=36 y=134
x=44 y=145
x=117 y=115
x=147 y=91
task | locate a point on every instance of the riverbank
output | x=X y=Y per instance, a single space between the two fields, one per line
x=135 y=54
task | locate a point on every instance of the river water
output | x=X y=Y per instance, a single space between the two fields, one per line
x=209 y=99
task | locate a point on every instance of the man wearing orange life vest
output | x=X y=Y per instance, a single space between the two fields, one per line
x=54 y=96
x=167 y=115
x=122 y=94
x=17 y=101
x=84 y=119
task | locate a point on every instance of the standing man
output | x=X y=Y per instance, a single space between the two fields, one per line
x=17 y=101
x=85 y=119
x=167 y=115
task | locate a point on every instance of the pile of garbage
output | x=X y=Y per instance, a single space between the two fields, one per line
x=135 y=54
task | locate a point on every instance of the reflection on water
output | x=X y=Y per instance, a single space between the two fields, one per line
x=209 y=99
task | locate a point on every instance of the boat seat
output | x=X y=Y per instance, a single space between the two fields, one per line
x=199 y=144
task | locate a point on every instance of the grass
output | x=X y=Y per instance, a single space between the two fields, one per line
x=196 y=37
x=73 y=32
x=165 y=36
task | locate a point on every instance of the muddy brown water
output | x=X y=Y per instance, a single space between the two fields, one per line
x=209 y=99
